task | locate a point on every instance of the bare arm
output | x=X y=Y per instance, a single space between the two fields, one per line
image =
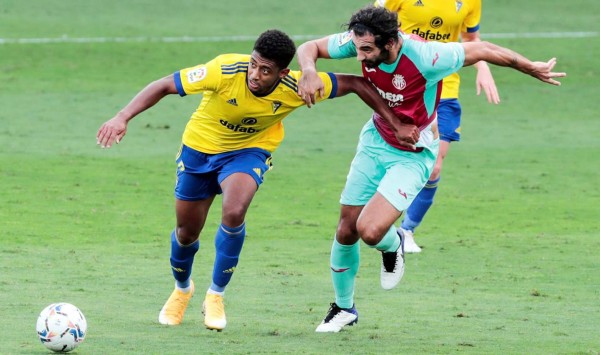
x=406 y=133
x=114 y=129
x=310 y=83
x=484 y=79
x=491 y=53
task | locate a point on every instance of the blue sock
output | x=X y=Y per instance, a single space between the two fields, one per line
x=344 y=261
x=417 y=209
x=182 y=258
x=228 y=244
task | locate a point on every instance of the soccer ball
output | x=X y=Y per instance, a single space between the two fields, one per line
x=61 y=327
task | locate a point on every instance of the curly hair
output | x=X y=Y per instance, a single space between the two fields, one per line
x=276 y=46
x=378 y=21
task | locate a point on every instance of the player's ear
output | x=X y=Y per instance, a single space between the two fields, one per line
x=389 y=45
x=284 y=72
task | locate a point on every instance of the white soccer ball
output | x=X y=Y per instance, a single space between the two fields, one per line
x=61 y=327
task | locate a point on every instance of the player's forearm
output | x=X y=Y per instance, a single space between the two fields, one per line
x=494 y=54
x=308 y=54
x=147 y=98
x=348 y=83
x=310 y=51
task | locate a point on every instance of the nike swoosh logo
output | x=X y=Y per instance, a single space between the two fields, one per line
x=340 y=269
x=437 y=56
x=370 y=70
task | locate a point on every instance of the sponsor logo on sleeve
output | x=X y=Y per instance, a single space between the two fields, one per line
x=345 y=38
x=196 y=75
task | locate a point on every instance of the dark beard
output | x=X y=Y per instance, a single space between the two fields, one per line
x=384 y=55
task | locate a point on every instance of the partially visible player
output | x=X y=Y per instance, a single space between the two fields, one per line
x=227 y=146
x=442 y=21
x=384 y=176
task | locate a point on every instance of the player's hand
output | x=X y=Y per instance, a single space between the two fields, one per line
x=485 y=81
x=407 y=135
x=111 y=131
x=543 y=71
x=309 y=86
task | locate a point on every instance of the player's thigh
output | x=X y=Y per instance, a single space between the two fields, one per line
x=196 y=175
x=238 y=191
x=191 y=217
x=362 y=180
x=406 y=175
x=376 y=219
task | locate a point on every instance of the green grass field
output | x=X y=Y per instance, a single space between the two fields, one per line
x=510 y=262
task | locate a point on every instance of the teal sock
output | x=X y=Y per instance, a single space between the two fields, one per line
x=390 y=241
x=344 y=267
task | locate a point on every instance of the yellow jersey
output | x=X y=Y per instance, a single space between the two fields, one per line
x=437 y=20
x=230 y=117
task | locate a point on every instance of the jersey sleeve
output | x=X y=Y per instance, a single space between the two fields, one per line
x=329 y=86
x=439 y=59
x=471 y=22
x=340 y=46
x=199 y=78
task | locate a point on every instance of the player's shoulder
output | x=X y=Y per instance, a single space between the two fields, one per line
x=289 y=83
x=232 y=63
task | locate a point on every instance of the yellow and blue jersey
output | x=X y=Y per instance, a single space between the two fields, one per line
x=437 y=20
x=230 y=117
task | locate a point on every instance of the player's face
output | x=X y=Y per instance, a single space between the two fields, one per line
x=367 y=52
x=263 y=74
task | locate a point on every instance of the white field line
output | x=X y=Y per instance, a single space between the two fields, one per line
x=183 y=39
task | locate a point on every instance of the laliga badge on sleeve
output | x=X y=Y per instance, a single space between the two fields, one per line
x=196 y=74
x=345 y=38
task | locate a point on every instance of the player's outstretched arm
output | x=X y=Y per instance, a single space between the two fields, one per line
x=115 y=129
x=310 y=84
x=406 y=133
x=491 y=53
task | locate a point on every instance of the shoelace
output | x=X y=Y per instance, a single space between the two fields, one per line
x=334 y=310
x=217 y=308
x=180 y=302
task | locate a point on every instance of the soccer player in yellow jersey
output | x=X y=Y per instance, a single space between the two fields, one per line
x=441 y=21
x=227 y=146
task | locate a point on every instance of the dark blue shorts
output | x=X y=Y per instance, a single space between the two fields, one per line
x=199 y=175
x=448 y=116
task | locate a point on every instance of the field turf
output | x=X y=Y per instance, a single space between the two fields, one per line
x=511 y=248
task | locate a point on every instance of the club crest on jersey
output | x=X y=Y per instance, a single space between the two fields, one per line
x=458 y=5
x=196 y=75
x=399 y=82
x=276 y=105
x=345 y=38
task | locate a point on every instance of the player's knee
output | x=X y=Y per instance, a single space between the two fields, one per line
x=346 y=233
x=187 y=235
x=369 y=233
x=233 y=216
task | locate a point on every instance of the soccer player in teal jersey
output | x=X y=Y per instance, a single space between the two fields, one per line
x=227 y=147
x=385 y=176
x=442 y=21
